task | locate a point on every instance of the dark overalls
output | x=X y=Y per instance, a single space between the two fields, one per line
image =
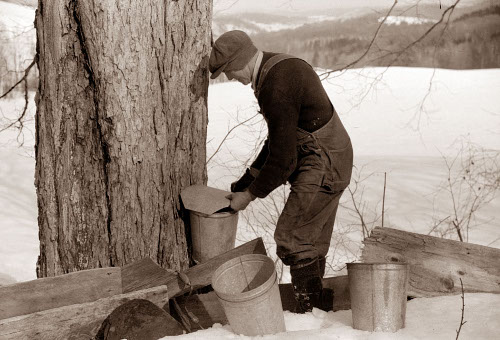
x=323 y=171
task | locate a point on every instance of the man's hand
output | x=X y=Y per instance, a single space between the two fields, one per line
x=240 y=200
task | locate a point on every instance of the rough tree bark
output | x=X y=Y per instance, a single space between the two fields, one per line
x=120 y=129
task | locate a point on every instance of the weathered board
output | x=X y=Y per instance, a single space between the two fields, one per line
x=151 y=275
x=143 y=274
x=201 y=275
x=436 y=264
x=47 y=293
x=81 y=321
x=74 y=314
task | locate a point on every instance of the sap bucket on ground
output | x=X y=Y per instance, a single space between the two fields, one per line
x=247 y=287
x=213 y=234
x=378 y=295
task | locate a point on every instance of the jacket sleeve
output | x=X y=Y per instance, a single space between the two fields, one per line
x=281 y=109
x=261 y=158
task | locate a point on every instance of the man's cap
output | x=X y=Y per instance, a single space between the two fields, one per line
x=231 y=52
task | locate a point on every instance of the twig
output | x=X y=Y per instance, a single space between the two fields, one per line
x=369 y=46
x=26 y=71
x=20 y=119
x=228 y=133
x=462 y=322
x=383 y=198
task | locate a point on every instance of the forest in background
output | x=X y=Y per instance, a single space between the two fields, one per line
x=470 y=40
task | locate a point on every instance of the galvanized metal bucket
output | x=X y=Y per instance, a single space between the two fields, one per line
x=378 y=295
x=213 y=234
x=247 y=288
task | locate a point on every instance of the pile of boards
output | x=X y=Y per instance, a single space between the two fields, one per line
x=76 y=304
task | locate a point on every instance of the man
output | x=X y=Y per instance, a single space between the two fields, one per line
x=307 y=146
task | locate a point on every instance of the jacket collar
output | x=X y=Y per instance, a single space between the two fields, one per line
x=256 y=69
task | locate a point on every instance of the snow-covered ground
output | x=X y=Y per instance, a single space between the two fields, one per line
x=430 y=319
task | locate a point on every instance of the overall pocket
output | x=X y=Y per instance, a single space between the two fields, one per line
x=340 y=164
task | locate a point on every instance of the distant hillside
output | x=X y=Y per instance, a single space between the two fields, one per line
x=470 y=41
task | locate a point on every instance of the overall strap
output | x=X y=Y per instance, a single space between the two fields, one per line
x=267 y=67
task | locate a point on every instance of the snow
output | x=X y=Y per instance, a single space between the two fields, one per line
x=18 y=213
x=376 y=106
x=398 y=20
x=19 y=17
x=275 y=27
x=426 y=318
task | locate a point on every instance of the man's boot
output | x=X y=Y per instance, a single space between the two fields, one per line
x=307 y=286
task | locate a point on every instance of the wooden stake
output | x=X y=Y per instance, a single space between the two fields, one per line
x=383 y=198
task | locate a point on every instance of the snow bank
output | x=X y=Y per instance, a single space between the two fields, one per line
x=426 y=318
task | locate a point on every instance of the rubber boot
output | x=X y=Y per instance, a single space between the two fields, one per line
x=307 y=286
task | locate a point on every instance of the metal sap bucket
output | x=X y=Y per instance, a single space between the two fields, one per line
x=378 y=295
x=213 y=234
x=247 y=288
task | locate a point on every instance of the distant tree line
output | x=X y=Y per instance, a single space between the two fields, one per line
x=470 y=41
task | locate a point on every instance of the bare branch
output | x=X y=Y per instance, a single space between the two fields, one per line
x=24 y=78
x=369 y=46
x=228 y=133
x=462 y=322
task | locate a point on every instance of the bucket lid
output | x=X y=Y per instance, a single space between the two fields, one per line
x=204 y=199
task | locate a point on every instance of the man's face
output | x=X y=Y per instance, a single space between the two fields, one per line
x=243 y=76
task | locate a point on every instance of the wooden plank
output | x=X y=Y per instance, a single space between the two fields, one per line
x=199 y=275
x=205 y=200
x=143 y=274
x=436 y=264
x=339 y=284
x=47 y=293
x=80 y=321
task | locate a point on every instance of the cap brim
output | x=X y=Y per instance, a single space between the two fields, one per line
x=219 y=71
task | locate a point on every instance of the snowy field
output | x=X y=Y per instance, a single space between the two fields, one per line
x=380 y=109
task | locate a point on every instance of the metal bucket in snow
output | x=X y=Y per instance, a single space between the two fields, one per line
x=247 y=288
x=378 y=295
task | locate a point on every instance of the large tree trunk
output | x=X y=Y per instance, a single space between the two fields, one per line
x=121 y=129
